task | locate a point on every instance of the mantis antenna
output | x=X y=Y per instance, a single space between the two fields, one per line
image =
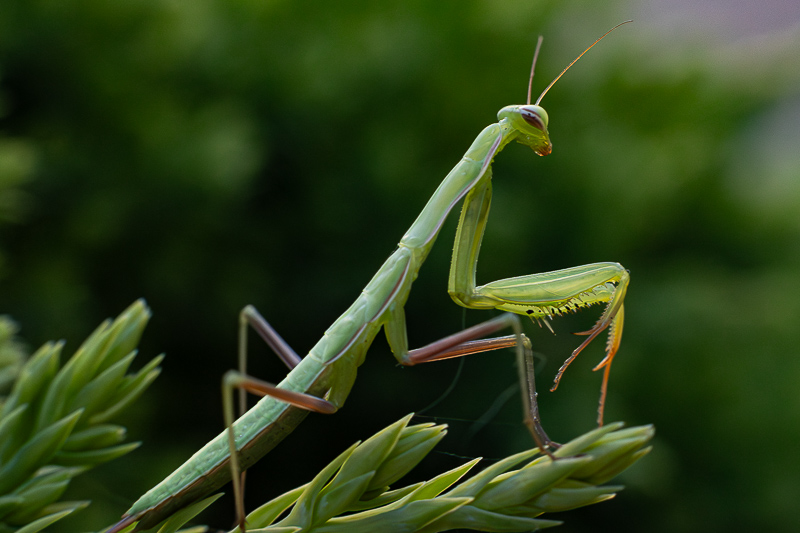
x=533 y=67
x=568 y=66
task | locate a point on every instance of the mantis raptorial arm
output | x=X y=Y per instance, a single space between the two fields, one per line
x=540 y=296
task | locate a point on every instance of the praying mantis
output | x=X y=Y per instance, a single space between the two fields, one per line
x=322 y=380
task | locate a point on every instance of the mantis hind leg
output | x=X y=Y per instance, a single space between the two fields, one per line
x=539 y=296
x=239 y=379
x=469 y=341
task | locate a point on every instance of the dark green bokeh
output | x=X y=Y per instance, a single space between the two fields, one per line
x=206 y=155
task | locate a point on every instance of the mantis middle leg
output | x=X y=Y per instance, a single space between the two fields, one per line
x=465 y=342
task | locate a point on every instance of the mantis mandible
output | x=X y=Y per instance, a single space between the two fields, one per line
x=322 y=380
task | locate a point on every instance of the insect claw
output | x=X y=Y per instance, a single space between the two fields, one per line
x=606 y=360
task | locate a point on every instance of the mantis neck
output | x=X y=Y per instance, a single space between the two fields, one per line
x=471 y=170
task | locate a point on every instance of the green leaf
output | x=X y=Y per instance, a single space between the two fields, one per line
x=35 y=375
x=109 y=343
x=126 y=332
x=341 y=497
x=130 y=392
x=12 y=432
x=270 y=511
x=35 y=499
x=437 y=485
x=43 y=522
x=580 y=444
x=54 y=514
x=411 y=448
x=9 y=504
x=176 y=521
x=43 y=490
x=617 y=466
x=476 y=483
x=572 y=494
x=98 y=392
x=72 y=376
x=95 y=437
x=93 y=457
x=36 y=452
x=385 y=498
x=412 y=517
x=369 y=455
x=497 y=499
x=303 y=512
x=471 y=517
x=526 y=483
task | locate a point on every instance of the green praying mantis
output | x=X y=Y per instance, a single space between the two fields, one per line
x=322 y=380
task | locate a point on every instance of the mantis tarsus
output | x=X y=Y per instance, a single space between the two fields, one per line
x=322 y=380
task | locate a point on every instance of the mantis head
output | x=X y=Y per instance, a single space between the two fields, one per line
x=531 y=123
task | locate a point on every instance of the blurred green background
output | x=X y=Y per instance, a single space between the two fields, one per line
x=206 y=155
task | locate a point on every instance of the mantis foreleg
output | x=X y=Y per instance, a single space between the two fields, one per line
x=540 y=296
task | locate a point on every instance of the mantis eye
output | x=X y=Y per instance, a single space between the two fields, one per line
x=533 y=119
